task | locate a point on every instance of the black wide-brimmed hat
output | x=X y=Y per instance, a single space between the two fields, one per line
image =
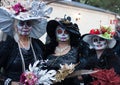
x=64 y=23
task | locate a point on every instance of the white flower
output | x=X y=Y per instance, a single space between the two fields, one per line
x=46 y=77
x=34 y=67
x=64 y=71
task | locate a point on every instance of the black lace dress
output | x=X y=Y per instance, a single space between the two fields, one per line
x=10 y=58
x=55 y=61
x=107 y=60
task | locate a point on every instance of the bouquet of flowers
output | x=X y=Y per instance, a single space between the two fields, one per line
x=35 y=75
x=64 y=71
x=106 y=77
x=67 y=71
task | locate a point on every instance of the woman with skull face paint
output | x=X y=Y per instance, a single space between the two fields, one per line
x=63 y=46
x=101 y=55
x=22 y=45
x=24 y=27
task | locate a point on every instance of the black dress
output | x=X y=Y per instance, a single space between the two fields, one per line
x=10 y=58
x=55 y=61
x=107 y=60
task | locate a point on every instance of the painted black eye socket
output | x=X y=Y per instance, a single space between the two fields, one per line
x=22 y=23
x=59 y=31
x=95 y=40
x=101 y=39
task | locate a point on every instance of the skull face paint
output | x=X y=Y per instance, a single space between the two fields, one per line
x=24 y=27
x=62 y=34
x=99 y=43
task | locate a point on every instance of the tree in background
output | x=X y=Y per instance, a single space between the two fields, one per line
x=112 y=5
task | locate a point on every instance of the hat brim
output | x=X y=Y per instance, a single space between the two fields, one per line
x=25 y=16
x=87 y=38
x=24 y=19
x=7 y=24
x=6 y=21
x=38 y=28
x=51 y=27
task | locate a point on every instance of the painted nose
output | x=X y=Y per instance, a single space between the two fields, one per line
x=63 y=34
x=99 y=42
x=25 y=26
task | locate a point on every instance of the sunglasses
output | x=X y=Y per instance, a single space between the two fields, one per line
x=27 y=23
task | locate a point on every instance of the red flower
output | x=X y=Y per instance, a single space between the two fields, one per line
x=103 y=29
x=94 y=31
x=106 y=77
x=18 y=8
x=113 y=33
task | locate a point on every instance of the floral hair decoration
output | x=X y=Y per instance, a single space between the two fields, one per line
x=104 y=32
x=31 y=10
x=37 y=11
x=18 y=8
